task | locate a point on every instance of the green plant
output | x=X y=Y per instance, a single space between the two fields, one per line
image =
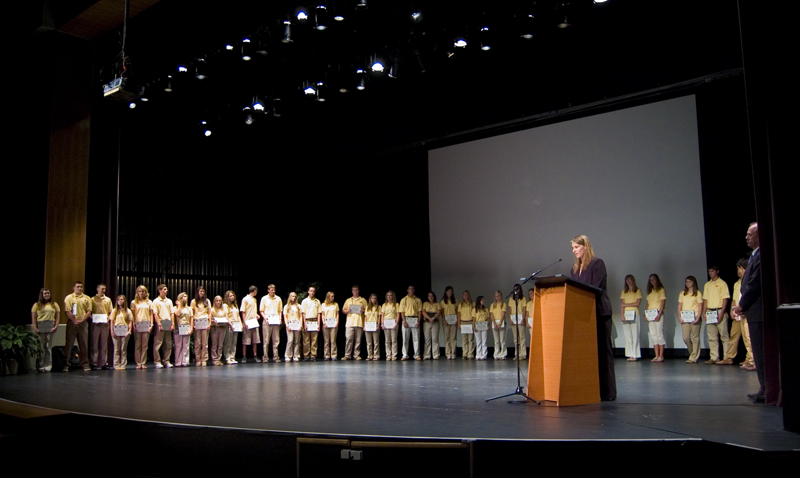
x=301 y=289
x=16 y=342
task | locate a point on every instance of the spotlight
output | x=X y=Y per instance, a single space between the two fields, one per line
x=168 y=86
x=460 y=42
x=247 y=49
x=229 y=47
x=485 y=46
x=377 y=67
x=362 y=80
x=287 y=32
x=182 y=69
x=207 y=133
x=144 y=98
x=362 y=5
x=132 y=105
x=309 y=88
x=600 y=1
x=416 y=16
x=258 y=106
x=200 y=69
x=248 y=119
x=564 y=23
x=338 y=18
x=321 y=17
x=301 y=14
x=394 y=68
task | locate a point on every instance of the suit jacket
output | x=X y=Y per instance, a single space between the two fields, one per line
x=750 y=302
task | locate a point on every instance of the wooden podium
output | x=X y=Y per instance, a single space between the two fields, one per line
x=562 y=366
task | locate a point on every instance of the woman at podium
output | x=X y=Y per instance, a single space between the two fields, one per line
x=592 y=270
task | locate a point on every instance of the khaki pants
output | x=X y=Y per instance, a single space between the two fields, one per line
x=293 y=345
x=519 y=340
x=499 y=341
x=431 y=333
x=217 y=339
x=390 y=337
x=120 y=351
x=81 y=332
x=373 y=345
x=200 y=346
x=162 y=337
x=99 y=344
x=140 y=342
x=468 y=345
x=450 y=339
x=691 y=337
x=352 y=347
x=329 y=335
x=715 y=332
x=310 y=343
x=272 y=335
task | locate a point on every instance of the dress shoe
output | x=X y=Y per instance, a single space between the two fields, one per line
x=725 y=362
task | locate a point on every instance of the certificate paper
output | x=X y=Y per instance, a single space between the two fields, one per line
x=516 y=319
x=201 y=323
x=221 y=320
x=389 y=323
x=312 y=326
x=530 y=322
x=651 y=314
x=687 y=316
x=451 y=319
x=142 y=326
x=412 y=321
x=371 y=326
x=294 y=324
x=120 y=330
x=466 y=329
x=273 y=320
x=500 y=322
x=481 y=326
x=355 y=309
x=183 y=329
x=166 y=324
x=99 y=318
x=251 y=324
x=331 y=323
x=712 y=317
x=630 y=316
x=237 y=326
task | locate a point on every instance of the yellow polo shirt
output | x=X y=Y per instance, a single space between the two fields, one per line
x=355 y=320
x=481 y=315
x=465 y=311
x=271 y=305
x=143 y=311
x=390 y=310
x=512 y=307
x=630 y=298
x=431 y=308
x=737 y=292
x=330 y=311
x=410 y=306
x=371 y=315
x=714 y=292
x=498 y=311
x=79 y=305
x=311 y=308
x=691 y=302
x=101 y=305
x=162 y=308
x=448 y=308
x=117 y=318
x=655 y=297
x=47 y=312
x=184 y=317
x=249 y=308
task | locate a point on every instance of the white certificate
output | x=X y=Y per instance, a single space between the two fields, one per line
x=120 y=330
x=481 y=326
x=99 y=318
x=530 y=322
x=221 y=320
x=355 y=309
x=237 y=326
x=516 y=318
x=466 y=328
x=273 y=320
x=201 y=323
x=712 y=317
x=687 y=316
x=500 y=322
x=331 y=323
x=312 y=326
x=651 y=314
x=389 y=323
x=630 y=316
x=45 y=325
x=166 y=324
x=451 y=319
x=294 y=324
x=75 y=309
x=371 y=326
x=142 y=326
x=183 y=329
x=251 y=324
x=412 y=321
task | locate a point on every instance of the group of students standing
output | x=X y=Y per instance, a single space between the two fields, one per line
x=694 y=307
x=216 y=325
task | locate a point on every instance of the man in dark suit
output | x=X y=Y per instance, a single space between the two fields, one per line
x=751 y=306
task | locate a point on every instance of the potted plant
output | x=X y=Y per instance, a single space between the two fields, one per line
x=15 y=344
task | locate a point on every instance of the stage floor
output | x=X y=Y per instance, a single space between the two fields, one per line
x=424 y=400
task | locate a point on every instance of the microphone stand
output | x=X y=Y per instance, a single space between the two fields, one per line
x=517 y=291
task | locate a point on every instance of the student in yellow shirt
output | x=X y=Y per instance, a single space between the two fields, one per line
x=330 y=311
x=691 y=300
x=182 y=315
x=431 y=316
x=372 y=315
x=142 y=310
x=480 y=315
x=48 y=313
x=516 y=317
x=218 y=311
x=121 y=315
x=292 y=313
x=200 y=308
x=656 y=300
x=465 y=318
x=231 y=337
x=497 y=311
x=630 y=299
x=390 y=311
x=449 y=323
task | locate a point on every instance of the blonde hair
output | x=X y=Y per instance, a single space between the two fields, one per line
x=370 y=305
x=588 y=252
x=221 y=303
x=146 y=294
x=394 y=298
x=185 y=297
x=328 y=300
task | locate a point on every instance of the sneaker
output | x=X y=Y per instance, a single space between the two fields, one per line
x=87 y=368
x=277 y=360
x=168 y=365
x=244 y=360
x=106 y=367
x=296 y=359
x=710 y=361
x=159 y=365
x=232 y=362
x=725 y=362
x=258 y=360
x=65 y=369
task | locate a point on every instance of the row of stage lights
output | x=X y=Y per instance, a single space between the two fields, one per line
x=376 y=65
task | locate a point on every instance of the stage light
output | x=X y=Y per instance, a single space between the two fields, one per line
x=338 y=18
x=564 y=23
x=182 y=69
x=144 y=98
x=258 y=106
x=309 y=88
x=168 y=86
x=247 y=49
x=416 y=16
x=600 y=1
x=287 y=32
x=132 y=105
x=248 y=119
x=321 y=17
x=200 y=69
x=394 y=68
x=229 y=47
x=377 y=67
x=460 y=42
x=362 y=80
x=485 y=46
x=301 y=14
x=362 y=5
x=208 y=132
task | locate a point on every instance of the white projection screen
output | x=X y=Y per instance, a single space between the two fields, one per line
x=506 y=206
